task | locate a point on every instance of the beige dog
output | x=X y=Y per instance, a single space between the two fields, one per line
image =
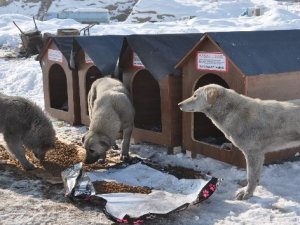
x=254 y=126
x=110 y=111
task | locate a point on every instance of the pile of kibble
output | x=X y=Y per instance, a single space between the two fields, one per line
x=61 y=157
x=103 y=187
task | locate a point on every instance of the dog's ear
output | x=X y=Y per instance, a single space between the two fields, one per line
x=105 y=141
x=211 y=95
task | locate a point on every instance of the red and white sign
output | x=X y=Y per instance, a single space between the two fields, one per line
x=136 y=61
x=55 y=55
x=88 y=59
x=212 y=61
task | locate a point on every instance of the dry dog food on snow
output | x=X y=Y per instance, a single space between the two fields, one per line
x=61 y=157
x=183 y=173
x=103 y=187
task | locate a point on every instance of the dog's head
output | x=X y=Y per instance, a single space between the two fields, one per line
x=202 y=99
x=40 y=152
x=96 y=146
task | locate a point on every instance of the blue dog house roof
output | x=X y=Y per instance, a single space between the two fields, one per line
x=159 y=53
x=64 y=44
x=103 y=50
x=260 y=52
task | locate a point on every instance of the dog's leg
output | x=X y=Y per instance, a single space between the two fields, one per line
x=115 y=145
x=254 y=167
x=126 y=142
x=17 y=149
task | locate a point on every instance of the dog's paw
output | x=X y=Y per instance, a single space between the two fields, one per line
x=125 y=158
x=243 y=194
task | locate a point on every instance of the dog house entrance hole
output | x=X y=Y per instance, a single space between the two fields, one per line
x=58 y=88
x=92 y=74
x=204 y=129
x=146 y=101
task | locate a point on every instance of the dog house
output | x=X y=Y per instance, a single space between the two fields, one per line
x=259 y=64
x=61 y=92
x=95 y=57
x=147 y=65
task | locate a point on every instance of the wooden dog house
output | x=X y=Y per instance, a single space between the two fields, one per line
x=95 y=57
x=147 y=63
x=260 y=64
x=61 y=92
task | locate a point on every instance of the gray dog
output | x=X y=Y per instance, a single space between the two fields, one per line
x=23 y=123
x=110 y=112
x=255 y=126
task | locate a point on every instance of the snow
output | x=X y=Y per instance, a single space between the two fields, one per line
x=19 y=7
x=25 y=200
x=23 y=80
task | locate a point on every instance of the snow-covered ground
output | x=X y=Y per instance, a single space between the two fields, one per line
x=26 y=200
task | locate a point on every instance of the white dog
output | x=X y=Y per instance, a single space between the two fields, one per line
x=254 y=126
x=111 y=112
